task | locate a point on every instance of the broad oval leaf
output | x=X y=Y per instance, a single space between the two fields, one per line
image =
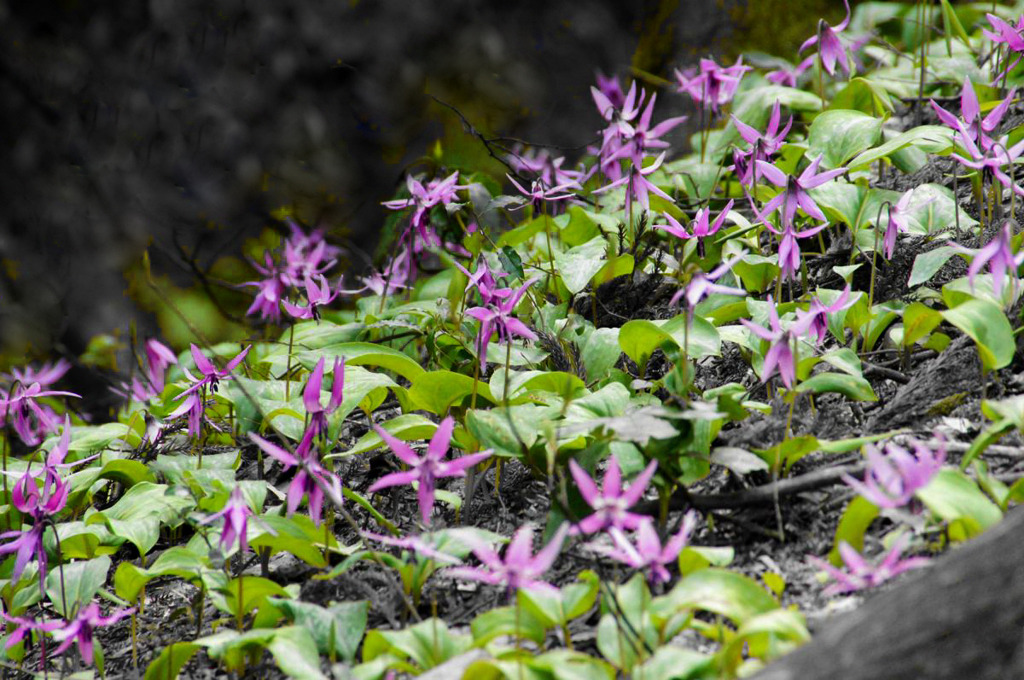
x=578 y=265
x=987 y=325
x=838 y=135
x=851 y=386
x=955 y=498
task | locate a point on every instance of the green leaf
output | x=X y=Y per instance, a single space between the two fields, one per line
x=502 y=621
x=360 y=354
x=789 y=451
x=933 y=139
x=739 y=461
x=508 y=430
x=918 y=321
x=850 y=386
x=92 y=438
x=580 y=228
x=294 y=652
x=841 y=134
x=765 y=637
x=72 y=586
x=988 y=326
x=867 y=96
x=853 y=524
x=295 y=534
x=179 y=561
x=956 y=499
x=619 y=628
x=337 y=629
x=171 y=660
x=437 y=391
x=427 y=644
x=932 y=209
x=145 y=500
x=557 y=609
x=600 y=353
x=524 y=232
x=639 y=339
x=253 y=590
x=578 y=265
x=734 y=596
x=407 y=427
x=143 y=532
x=671 y=662
x=927 y=264
x=951 y=27
x=511 y=263
x=855 y=205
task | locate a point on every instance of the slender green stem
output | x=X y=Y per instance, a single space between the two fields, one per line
x=288 y=365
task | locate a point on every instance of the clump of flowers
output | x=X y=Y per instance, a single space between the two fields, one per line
x=894 y=474
x=301 y=262
x=860 y=574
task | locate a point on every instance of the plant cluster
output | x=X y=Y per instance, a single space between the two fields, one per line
x=492 y=337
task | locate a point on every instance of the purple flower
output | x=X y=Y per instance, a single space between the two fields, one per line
x=830 y=48
x=894 y=474
x=610 y=87
x=860 y=574
x=816 y=316
x=158 y=358
x=547 y=168
x=30 y=419
x=794 y=194
x=991 y=161
x=520 y=568
x=497 y=317
x=426 y=470
x=195 y=396
x=638 y=187
x=318 y=294
x=26 y=626
x=312 y=479
x=311 y=395
x=81 y=628
x=306 y=255
x=701 y=285
x=483 y=280
x=649 y=553
x=712 y=86
x=999 y=256
x=394 y=277
x=619 y=127
x=973 y=125
x=415 y=544
x=788 y=76
x=897 y=222
x=422 y=199
x=41 y=504
x=45 y=375
x=1008 y=35
x=780 y=354
x=701 y=227
x=643 y=137
x=539 y=192
x=272 y=286
x=611 y=503
x=236 y=513
x=762 y=146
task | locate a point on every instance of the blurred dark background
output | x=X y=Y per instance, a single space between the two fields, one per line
x=182 y=126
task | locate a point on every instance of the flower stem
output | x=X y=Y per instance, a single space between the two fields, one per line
x=288 y=366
